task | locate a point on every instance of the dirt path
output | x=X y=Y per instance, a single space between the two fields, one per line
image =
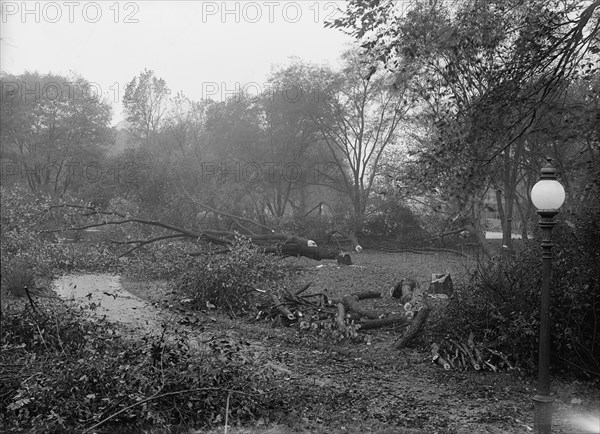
x=103 y=295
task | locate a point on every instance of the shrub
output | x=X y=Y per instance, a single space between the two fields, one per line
x=160 y=260
x=501 y=301
x=394 y=220
x=23 y=217
x=18 y=277
x=228 y=280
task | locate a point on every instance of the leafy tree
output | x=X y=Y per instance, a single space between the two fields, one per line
x=359 y=118
x=51 y=127
x=291 y=138
x=145 y=102
x=486 y=73
x=184 y=124
x=253 y=141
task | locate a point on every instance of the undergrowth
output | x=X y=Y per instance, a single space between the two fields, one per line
x=64 y=373
x=230 y=281
x=500 y=303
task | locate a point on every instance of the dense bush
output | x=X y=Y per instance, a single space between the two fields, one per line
x=63 y=373
x=501 y=302
x=23 y=245
x=394 y=221
x=228 y=281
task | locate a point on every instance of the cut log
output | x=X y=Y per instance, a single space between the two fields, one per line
x=351 y=303
x=413 y=329
x=340 y=317
x=404 y=290
x=436 y=358
x=467 y=354
x=377 y=323
x=353 y=316
x=367 y=295
x=304 y=325
x=281 y=307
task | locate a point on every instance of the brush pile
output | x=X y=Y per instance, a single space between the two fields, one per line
x=344 y=317
x=461 y=355
x=316 y=311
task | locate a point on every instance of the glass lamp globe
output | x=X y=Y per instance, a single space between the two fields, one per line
x=548 y=194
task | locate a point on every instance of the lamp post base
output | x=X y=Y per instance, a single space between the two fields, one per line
x=543 y=414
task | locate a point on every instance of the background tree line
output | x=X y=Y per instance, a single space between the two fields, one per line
x=435 y=112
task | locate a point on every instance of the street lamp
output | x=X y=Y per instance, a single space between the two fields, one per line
x=547 y=195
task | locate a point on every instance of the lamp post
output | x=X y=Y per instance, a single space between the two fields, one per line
x=547 y=195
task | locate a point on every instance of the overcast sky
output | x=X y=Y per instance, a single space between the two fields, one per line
x=198 y=47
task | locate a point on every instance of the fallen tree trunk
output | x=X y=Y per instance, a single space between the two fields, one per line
x=413 y=329
x=270 y=241
x=384 y=322
x=296 y=246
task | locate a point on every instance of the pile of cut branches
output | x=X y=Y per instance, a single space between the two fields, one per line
x=344 y=316
x=465 y=354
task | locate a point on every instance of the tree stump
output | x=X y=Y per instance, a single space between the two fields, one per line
x=441 y=284
x=344 y=258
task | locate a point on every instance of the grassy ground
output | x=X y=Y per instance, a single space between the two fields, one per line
x=346 y=387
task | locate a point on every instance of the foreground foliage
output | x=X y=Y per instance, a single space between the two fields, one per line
x=24 y=246
x=501 y=302
x=61 y=372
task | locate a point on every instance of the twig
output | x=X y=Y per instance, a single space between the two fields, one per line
x=93 y=211
x=142 y=243
x=153 y=397
x=30 y=299
x=232 y=216
x=304 y=288
x=130 y=220
x=227 y=412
